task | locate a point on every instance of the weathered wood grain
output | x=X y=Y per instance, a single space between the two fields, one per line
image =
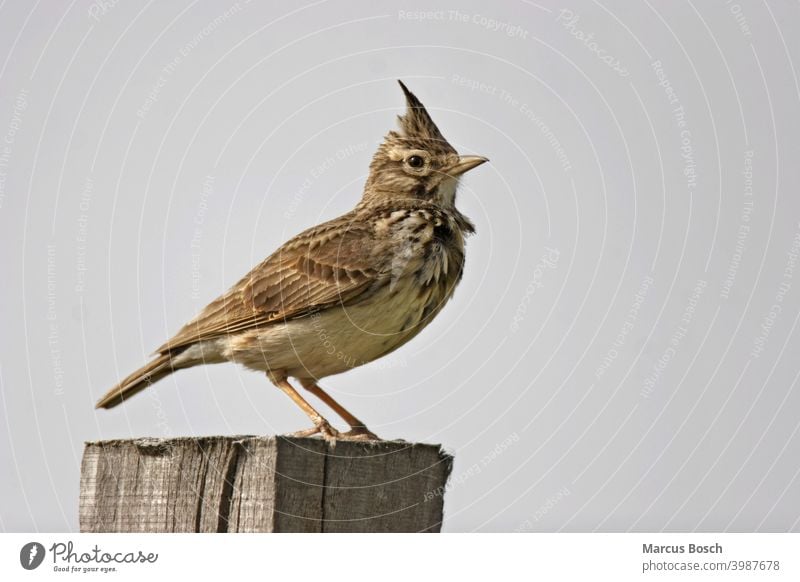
x=261 y=484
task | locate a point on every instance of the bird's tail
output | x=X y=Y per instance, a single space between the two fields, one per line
x=148 y=374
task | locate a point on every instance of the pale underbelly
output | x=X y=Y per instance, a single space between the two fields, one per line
x=337 y=339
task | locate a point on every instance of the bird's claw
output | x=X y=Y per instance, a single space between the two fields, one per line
x=304 y=433
x=324 y=429
x=330 y=434
x=359 y=433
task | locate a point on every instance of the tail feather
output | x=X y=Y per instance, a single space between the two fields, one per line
x=148 y=374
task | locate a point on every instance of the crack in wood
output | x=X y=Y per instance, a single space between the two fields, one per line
x=226 y=497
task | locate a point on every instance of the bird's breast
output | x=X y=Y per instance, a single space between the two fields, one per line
x=419 y=255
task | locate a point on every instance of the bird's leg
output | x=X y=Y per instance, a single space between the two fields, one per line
x=321 y=426
x=358 y=430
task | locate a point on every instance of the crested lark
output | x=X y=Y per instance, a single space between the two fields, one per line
x=345 y=292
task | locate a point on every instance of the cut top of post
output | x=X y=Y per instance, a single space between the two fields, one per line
x=261 y=484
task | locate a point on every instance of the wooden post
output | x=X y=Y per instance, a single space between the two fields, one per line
x=261 y=484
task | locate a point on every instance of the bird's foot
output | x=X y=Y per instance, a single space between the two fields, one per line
x=359 y=433
x=323 y=429
x=304 y=433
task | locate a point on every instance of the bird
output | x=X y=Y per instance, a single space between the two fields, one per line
x=342 y=293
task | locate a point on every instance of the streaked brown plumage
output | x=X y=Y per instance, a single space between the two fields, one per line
x=345 y=292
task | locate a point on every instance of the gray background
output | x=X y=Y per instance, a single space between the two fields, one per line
x=151 y=154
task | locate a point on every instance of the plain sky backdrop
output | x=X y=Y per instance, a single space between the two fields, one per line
x=622 y=351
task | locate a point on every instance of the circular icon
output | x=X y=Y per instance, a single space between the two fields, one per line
x=31 y=555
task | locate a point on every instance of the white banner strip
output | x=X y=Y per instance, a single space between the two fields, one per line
x=402 y=557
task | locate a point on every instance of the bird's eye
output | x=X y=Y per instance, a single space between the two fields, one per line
x=415 y=161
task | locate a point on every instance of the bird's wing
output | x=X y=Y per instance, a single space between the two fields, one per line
x=330 y=264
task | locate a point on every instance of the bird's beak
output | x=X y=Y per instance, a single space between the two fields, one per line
x=464 y=164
